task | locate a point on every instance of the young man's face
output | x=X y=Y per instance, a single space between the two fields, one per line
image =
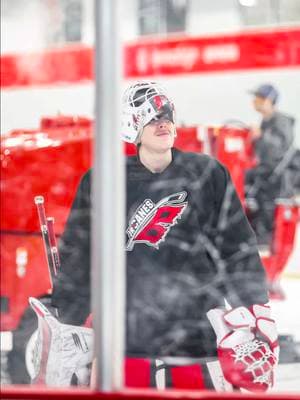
x=262 y=104
x=158 y=135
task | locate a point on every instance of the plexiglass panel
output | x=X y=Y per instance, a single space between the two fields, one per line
x=193 y=147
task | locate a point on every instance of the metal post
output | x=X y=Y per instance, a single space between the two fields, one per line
x=108 y=199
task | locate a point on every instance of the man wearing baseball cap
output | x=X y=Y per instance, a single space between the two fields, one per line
x=273 y=142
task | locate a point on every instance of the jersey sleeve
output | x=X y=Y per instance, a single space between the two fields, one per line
x=238 y=262
x=71 y=287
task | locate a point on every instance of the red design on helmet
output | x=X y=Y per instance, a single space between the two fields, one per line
x=158 y=102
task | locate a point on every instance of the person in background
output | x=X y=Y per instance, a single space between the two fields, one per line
x=271 y=178
x=190 y=251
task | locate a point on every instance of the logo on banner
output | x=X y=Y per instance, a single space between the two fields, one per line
x=151 y=222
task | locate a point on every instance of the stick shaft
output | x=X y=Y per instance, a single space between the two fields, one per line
x=53 y=244
x=39 y=202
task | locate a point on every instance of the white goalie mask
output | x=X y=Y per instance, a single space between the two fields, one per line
x=143 y=102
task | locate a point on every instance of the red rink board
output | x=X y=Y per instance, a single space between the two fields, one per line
x=25 y=392
x=179 y=55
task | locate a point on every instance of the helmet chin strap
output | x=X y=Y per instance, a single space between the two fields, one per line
x=138 y=138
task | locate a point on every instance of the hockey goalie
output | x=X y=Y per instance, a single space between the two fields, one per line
x=188 y=247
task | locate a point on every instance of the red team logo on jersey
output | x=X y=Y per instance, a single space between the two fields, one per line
x=151 y=222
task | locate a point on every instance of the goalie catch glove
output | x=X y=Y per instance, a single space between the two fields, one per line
x=247 y=344
x=61 y=351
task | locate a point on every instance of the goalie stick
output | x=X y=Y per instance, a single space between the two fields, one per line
x=53 y=245
x=49 y=239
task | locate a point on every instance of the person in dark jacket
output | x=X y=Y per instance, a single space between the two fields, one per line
x=274 y=146
x=190 y=250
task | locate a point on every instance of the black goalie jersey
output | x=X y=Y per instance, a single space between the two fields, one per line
x=189 y=246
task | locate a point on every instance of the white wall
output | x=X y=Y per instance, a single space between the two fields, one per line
x=208 y=17
x=28 y=25
x=217 y=97
x=24 y=27
x=200 y=99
